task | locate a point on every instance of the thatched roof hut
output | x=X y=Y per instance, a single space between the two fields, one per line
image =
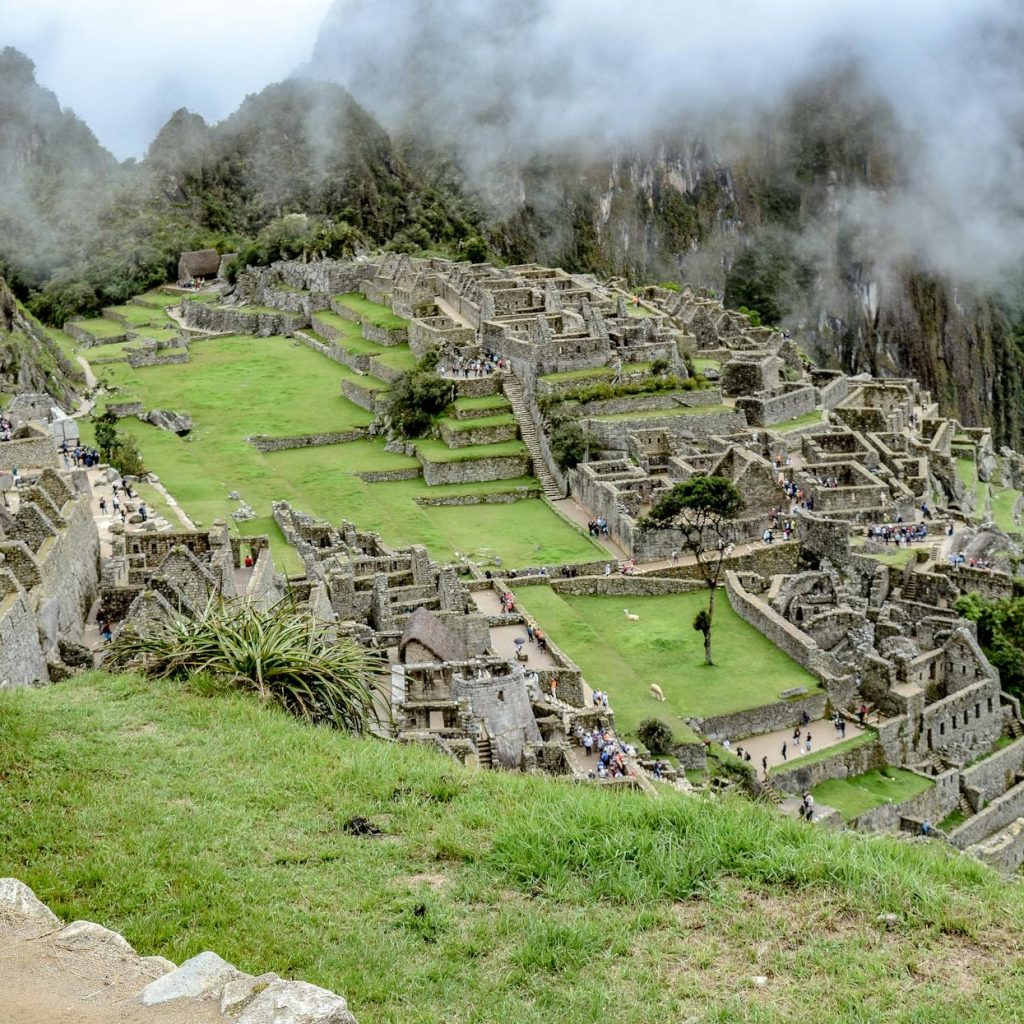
x=198 y=263
x=427 y=638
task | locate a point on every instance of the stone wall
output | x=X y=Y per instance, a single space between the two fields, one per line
x=36 y=451
x=492 y=498
x=933 y=805
x=612 y=434
x=505 y=467
x=263 y=443
x=21 y=655
x=794 y=642
x=841 y=765
x=370 y=399
x=766 y=409
x=617 y=585
x=994 y=775
x=964 y=725
x=998 y=814
x=237 y=320
x=782 y=714
x=86 y=340
x=830 y=395
x=478 y=435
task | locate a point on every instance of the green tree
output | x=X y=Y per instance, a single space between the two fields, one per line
x=568 y=444
x=1001 y=635
x=655 y=735
x=701 y=508
x=416 y=398
x=120 y=450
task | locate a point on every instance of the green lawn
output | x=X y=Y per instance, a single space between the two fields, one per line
x=625 y=657
x=677 y=410
x=807 y=420
x=894 y=556
x=159 y=298
x=700 y=365
x=114 y=350
x=371 y=312
x=236 y=387
x=501 y=420
x=867 y=736
x=1003 y=502
x=861 y=793
x=597 y=371
x=100 y=327
x=140 y=316
x=190 y=823
x=487 y=402
x=438 y=451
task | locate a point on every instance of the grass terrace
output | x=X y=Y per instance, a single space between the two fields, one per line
x=853 y=796
x=438 y=451
x=809 y=419
x=700 y=365
x=240 y=386
x=140 y=316
x=182 y=821
x=371 y=312
x=867 y=736
x=101 y=327
x=159 y=298
x=597 y=371
x=114 y=350
x=484 y=404
x=501 y=420
x=625 y=657
x=648 y=414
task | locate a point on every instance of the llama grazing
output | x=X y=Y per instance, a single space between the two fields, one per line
x=656 y=692
x=631 y=618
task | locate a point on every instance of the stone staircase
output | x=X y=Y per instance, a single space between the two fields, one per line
x=514 y=393
x=964 y=806
x=484 y=751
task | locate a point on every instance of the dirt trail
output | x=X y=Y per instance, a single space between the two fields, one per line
x=43 y=982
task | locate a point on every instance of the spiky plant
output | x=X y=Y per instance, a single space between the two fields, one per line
x=283 y=654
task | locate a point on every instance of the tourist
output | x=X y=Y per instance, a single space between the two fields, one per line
x=675 y=557
x=103 y=506
x=764 y=764
x=529 y=632
x=807 y=743
x=106 y=633
x=588 y=744
x=783 y=750
x=862 y=712
x=926 y=827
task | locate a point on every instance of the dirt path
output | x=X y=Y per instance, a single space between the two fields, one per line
x=42 y=982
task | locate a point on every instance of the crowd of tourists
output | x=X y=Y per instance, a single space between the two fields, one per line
x=611 y=753
x=598 y=527
x=79 y=456
x=900 y=534
x=798 y=497
x=480 y=366
x=6 y=429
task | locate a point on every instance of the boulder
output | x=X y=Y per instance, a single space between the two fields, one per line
x=19 y=903
x=179 y=423
x=202 y=977
x=296 y=1002
x=240 y=993
x=84 y=933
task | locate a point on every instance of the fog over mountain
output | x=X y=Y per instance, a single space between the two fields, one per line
x=126 y=65
x=504 y=82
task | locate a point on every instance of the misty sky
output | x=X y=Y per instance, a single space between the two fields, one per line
x=125 y=65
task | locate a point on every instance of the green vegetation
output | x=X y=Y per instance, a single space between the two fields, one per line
x=867 y=736
x=625 y=657
x=371 y=312
x=501 y=420
x=487 y=402
x=809 y=419
x=281 y=654
x=597 y=371
x=860 y=793
x=568 y=444
x=678 y=410
x=415 y=399
x=700 y=509
x=438 y=451
x=603 y=390
x=100 y=327
x=655 y=735
x=120 y=450
x=1001 y=635
x=140 y=316
x=192 y=823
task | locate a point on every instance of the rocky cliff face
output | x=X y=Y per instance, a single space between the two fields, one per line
x=807 y=205
x=29 y=359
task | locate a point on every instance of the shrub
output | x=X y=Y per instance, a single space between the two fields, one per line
x=670 y=286
x=416 y=398
x=283 y=655
x=568 y=444
x=120 y=450
x=659 y=367
x=656 y=735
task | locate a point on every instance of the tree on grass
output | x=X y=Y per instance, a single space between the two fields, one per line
x=655 y=735
x=416 y=398
x=120 y=450
x=701 y=508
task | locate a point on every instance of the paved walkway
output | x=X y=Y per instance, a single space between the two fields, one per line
x=453 y=314
x=769 y=745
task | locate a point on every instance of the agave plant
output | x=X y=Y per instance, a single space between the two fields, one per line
x=283 y=654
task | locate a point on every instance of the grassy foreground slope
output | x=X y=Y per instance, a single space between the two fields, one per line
x=192 y=822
